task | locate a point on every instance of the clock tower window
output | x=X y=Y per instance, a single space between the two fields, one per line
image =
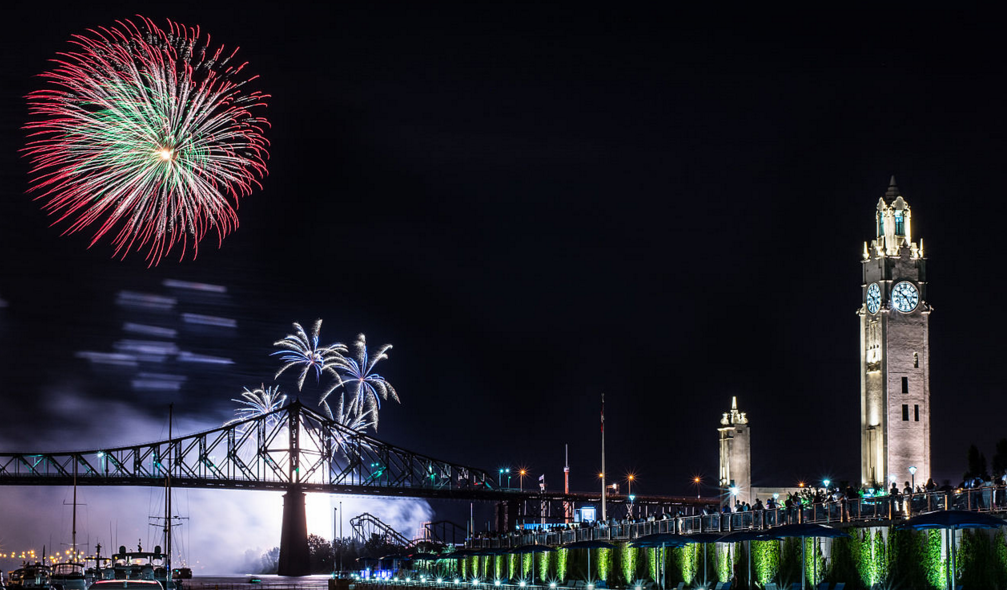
x=916 y=360
x=905 y=385
x=905 y=412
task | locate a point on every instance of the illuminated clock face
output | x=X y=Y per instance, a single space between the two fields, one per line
x=873 y=298
x=905 y=297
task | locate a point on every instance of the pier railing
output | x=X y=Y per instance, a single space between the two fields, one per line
x=844 y=511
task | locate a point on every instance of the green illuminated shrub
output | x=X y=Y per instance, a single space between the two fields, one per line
x=765 y=561
x=562 y=556
x=604 y=563
x=725 y=563
x=627 y=563
x=844 y=563
x=814 y=563
x=935 y=565
x=978 y=561
x=683 y=564
x=790 y=562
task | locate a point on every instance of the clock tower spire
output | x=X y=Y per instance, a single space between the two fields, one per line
x=894 y=350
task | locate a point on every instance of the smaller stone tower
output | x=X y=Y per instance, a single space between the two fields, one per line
x=735 y=456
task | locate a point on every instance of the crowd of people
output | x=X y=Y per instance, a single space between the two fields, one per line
x=973 y=493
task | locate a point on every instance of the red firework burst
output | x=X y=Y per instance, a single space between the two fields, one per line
x=148 y=135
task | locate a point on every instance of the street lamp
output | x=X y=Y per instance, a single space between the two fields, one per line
x=522 y=473
x=826 y=482
x=697 y=481
x=912 y=472
x=629 y=493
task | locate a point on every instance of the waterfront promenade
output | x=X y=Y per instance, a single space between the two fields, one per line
x=840 y=512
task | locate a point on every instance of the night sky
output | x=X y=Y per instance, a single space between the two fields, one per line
x=535 y=206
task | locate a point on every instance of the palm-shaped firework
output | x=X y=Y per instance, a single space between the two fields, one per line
x=364 y=387
x=299 y=350
x=258 y=402
x=357 y=423
x=345 y=417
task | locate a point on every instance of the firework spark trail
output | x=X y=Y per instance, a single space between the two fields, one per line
x=147 y=135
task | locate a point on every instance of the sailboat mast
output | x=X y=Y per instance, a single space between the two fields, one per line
x=73 y=531
x=167 y=507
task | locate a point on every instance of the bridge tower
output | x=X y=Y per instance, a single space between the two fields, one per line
x=294 y=555
x=735 y=456
x=894 y=350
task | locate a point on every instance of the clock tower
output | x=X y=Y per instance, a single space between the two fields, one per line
x=894 y=351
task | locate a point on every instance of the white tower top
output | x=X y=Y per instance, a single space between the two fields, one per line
x=734 y=416
x=893 y=223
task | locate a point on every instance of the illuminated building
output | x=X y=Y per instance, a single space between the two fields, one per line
x=735 y=456
x=894 y=350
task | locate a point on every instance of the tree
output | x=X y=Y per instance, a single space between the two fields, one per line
x=977 y=464
x=378 y=546
x=319 y=554
x=1000 y=458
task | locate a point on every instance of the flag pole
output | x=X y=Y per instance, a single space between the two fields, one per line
x=604 y=514
x=566 y=487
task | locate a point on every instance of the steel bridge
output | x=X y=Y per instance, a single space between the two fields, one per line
x=297 y=450
x=293 y=449
x=290 y=447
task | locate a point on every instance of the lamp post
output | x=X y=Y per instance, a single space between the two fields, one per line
x=697 y=481
x=522 y=473
x=912 y=472
x=629 y=494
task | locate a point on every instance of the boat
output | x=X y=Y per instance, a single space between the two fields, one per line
x=30 y=577
x=68 y=576
x=136 y=565
x=181 y=573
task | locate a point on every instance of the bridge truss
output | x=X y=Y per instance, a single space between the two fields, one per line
x=290 y=448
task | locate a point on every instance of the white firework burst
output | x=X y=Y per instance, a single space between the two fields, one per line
x=298 y=350
x=258 y=402
x=365 y=388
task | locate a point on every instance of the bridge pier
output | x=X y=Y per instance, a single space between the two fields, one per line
x=294 y=555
